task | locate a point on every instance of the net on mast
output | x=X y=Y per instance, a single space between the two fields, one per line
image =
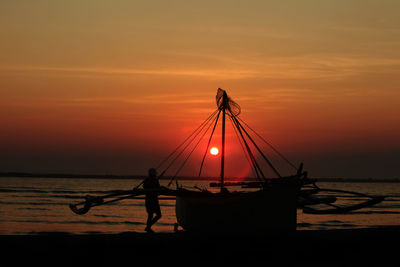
x=231 y=106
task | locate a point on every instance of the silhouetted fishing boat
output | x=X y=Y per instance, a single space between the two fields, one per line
x=271 y=206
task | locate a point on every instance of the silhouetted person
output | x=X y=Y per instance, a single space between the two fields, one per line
x=151 y=202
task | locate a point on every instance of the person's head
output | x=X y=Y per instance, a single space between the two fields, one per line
x=152 y=172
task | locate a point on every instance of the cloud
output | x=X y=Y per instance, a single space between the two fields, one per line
x=249 y=66
x=153 y=99
x=210 y=73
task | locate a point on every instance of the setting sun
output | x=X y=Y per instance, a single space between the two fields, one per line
x=214 y=151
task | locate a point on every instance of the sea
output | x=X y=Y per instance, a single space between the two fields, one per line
x=41 y=205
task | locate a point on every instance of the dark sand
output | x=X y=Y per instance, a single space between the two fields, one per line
x=360 y=247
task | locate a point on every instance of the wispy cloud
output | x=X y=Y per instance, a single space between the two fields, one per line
x=211 y=73
x=311 y=66
x=166 y=99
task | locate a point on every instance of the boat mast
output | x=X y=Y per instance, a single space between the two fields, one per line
x=224 y=106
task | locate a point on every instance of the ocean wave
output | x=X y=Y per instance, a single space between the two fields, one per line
x=86 y=222
x=33 y=203
x=29 y=208
x=371 y=212
x=106 y=216
x=57 y=191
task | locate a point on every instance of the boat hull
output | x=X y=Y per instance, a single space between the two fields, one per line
x=266 y=210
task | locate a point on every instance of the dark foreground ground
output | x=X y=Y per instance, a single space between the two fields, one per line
x=361 y=247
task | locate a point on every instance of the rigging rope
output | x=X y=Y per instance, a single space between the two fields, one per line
x=195 y=133
x=255 y=173
x=188 y=156
x=234 y=110
x=170 y=155
x=255 y=164
x=270 y=145
x=259 y=150
x=209 y=141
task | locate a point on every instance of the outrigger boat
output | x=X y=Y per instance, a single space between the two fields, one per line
x=271 y=206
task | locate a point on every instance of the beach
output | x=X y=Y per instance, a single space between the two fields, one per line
x=37 y=227
x=355 y=247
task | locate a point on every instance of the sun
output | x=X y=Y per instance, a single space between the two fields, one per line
x=214 y=151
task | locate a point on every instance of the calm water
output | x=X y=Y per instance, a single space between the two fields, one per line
x=32 y=205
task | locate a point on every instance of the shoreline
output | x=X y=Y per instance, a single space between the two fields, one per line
x=303 y=246
x=140 y=177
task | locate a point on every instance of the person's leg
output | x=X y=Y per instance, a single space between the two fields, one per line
x=157 y=217
x=149 y=221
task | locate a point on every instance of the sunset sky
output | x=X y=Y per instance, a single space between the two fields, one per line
x=112 y=87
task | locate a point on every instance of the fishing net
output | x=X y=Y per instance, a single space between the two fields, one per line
x=231 y=106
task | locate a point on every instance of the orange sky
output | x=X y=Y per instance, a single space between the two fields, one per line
x=114 y=86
